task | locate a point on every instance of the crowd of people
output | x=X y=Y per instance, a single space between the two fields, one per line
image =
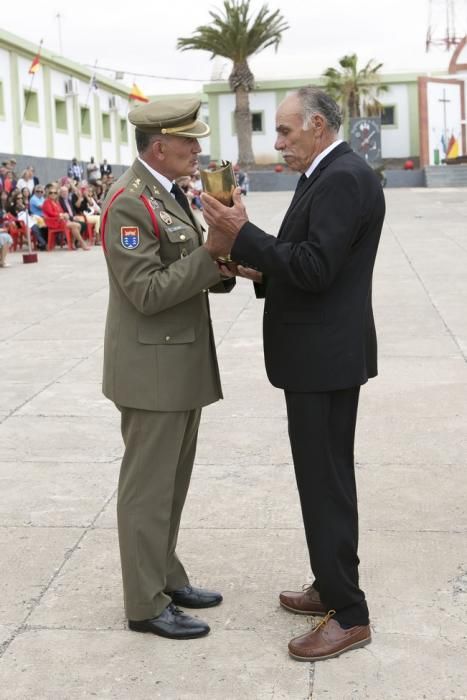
x=28 y=208
x=72 y=203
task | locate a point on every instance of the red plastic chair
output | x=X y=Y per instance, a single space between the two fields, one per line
x=12 y=229
x=52 y=232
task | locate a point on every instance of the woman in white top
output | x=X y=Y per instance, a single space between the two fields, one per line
x=26 y=180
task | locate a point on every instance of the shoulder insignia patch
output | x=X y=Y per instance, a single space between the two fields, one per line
x=129 y=237
x=136 y=183
x=166 y=218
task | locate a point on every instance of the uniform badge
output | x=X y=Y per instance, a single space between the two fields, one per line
x=166 y=218
x=154 y=203
x=156 y=191
x=129 y=237
x=135 y=183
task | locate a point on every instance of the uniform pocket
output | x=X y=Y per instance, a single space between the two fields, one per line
x=165 y=336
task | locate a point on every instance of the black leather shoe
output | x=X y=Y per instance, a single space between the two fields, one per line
x=171 y=623
x=189 y=597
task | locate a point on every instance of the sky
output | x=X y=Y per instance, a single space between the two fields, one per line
x=144 y=42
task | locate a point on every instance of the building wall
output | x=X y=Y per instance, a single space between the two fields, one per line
x=6 y=117
x=395 y=140
x=398 y=141
x=263 y=143
x=39 y=135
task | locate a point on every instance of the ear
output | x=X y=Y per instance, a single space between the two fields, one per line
x=157 y=149
x=319 y=124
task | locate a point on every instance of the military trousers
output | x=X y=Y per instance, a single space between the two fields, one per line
x=154 y=478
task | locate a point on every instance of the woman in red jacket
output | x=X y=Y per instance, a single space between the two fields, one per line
x=52 y=210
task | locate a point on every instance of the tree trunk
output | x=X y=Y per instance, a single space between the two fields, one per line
x=243 y=125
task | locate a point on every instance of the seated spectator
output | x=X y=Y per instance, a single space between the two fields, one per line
x=5 y=243
x=93 y=171
x=99 y=193
x=83 y=208
x=64 y=200
x=36 y=201
x=8 y=180
x=58 y=217
x=196 y=187
x=93 y=212
x=242 y=179
x=26 y=180
x=19 y=214
x=3 y=172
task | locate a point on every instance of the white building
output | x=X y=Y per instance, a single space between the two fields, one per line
x=56 y=113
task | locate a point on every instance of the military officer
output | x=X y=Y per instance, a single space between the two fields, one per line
x=160 y=363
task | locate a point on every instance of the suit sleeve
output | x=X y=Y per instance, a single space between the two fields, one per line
x=331 y=225
x=150 y=285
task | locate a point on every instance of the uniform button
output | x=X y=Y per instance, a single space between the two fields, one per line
x=167 y=338
x=182 y=237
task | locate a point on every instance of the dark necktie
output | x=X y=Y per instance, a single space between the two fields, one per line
x=301 y=181
x=181 y=198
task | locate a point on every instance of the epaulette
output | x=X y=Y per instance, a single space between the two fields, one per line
x=135 y=186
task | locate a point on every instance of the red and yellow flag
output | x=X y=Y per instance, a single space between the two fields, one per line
x=35 y=65
x=137 y=94
x=453 y=147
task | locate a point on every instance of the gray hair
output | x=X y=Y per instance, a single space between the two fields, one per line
x=316 y=101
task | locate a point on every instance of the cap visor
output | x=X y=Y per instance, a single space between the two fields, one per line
x=198 y=131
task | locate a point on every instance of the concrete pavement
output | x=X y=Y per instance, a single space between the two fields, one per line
x=62 y=625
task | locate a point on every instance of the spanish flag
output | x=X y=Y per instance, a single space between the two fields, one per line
x=35 y=65
x=453 y=147
x=137 y=94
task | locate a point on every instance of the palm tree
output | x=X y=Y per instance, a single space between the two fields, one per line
x=235 y=35
x=356 y=90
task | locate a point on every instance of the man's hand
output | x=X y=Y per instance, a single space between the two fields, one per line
x=250 y=274
x=224 y=223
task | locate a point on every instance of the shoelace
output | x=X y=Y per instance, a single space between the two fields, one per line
x=174 y=610
x=324 y=621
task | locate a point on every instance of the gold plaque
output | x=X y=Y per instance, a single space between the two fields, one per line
x=220 y=183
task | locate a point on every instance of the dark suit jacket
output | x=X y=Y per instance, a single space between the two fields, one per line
x=319 y=332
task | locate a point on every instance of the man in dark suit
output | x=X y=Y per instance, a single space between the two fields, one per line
x=319 y=345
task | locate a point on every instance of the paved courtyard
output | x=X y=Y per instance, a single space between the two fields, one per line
x=62 y=626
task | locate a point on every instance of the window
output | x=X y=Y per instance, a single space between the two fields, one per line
x=256 y=122
x=106 y=126
x=31 y=107
x=2 y=106
x=388 y=115
x=123 y=131
x=61 y=115
x=85 y=114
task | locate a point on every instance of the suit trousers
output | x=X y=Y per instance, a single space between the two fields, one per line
x=322 y=430
x=154 y=478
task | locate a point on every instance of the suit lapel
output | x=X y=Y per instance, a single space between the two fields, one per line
x=336 y=152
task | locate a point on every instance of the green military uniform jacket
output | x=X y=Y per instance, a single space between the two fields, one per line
x=159 y=351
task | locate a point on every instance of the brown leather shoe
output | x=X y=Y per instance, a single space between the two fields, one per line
x=306 y=602
x=328 y=639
